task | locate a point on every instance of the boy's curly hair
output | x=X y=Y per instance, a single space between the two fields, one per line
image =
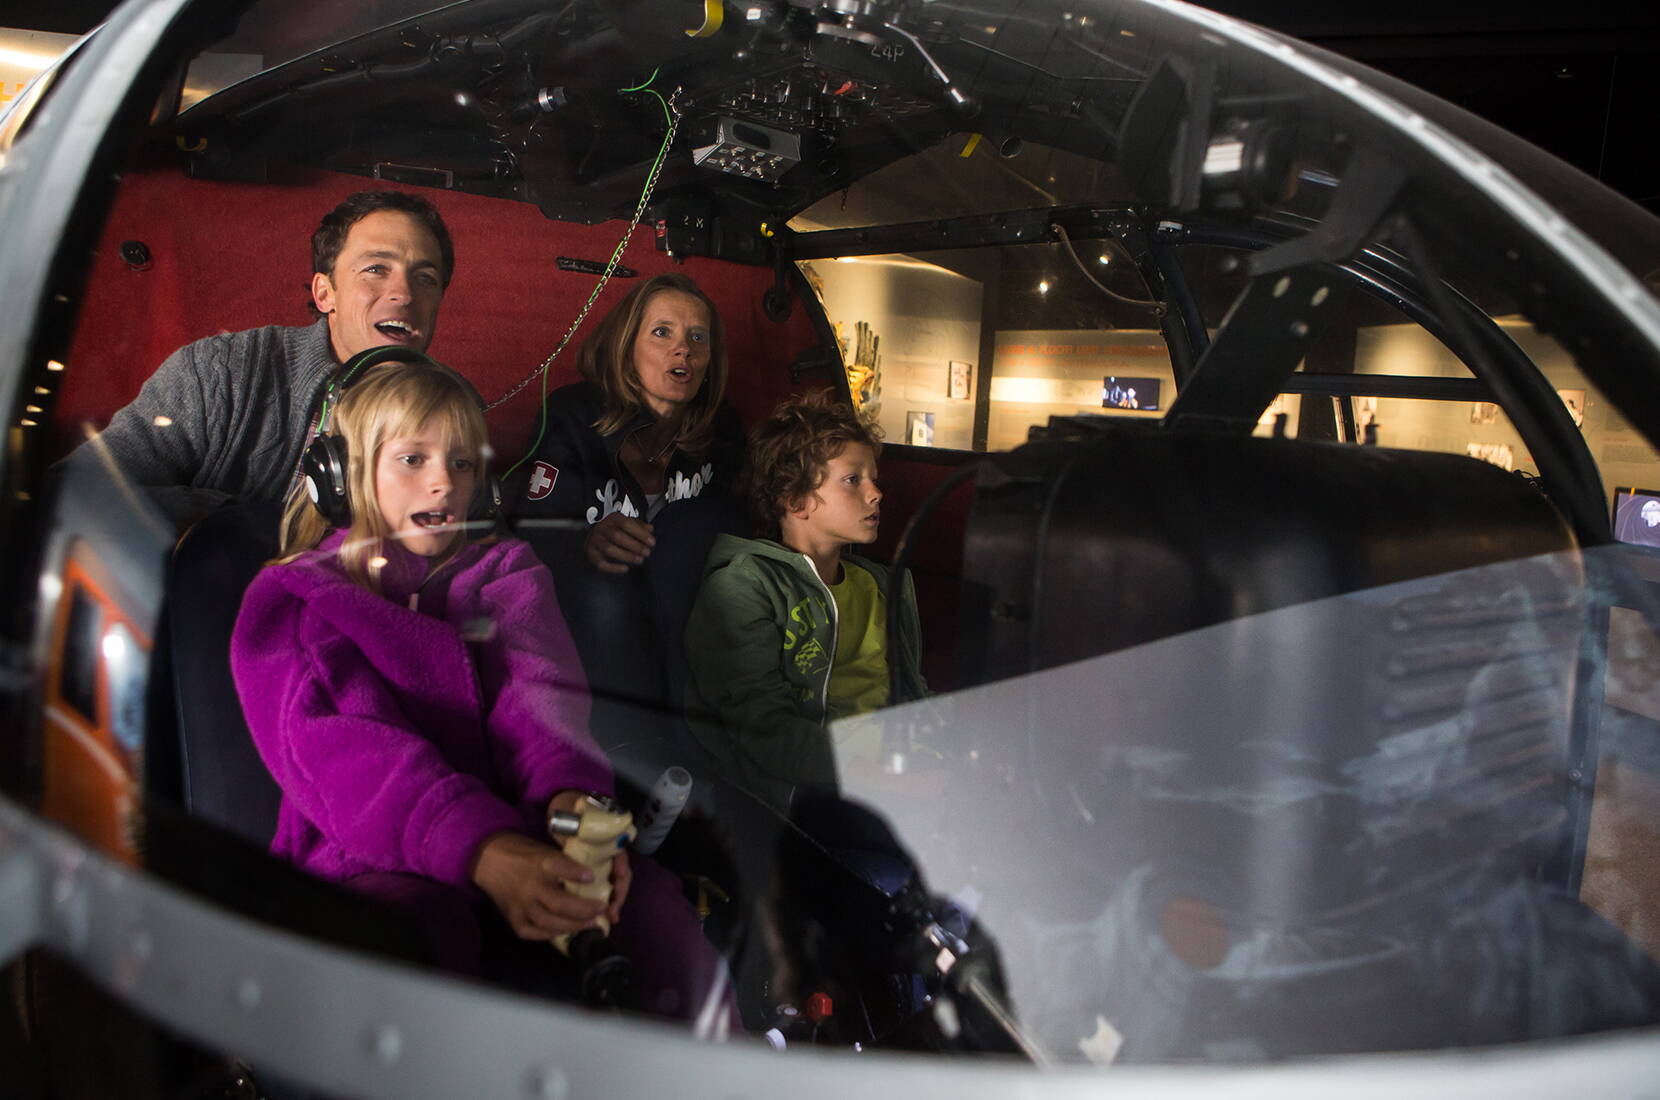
x=789 y=451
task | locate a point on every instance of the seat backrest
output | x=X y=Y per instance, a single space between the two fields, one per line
x=224 y=780
x=1095 y=545
x=630 y=632
x=1357 y=666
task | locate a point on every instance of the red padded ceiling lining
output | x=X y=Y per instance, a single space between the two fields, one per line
x=229 y=256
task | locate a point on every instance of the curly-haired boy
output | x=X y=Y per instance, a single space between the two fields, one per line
x=789 y=632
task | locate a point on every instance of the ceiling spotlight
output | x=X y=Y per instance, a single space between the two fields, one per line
x=1043 y=286
x=1105 y=258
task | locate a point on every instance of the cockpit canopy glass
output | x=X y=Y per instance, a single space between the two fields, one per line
x=1191 y=788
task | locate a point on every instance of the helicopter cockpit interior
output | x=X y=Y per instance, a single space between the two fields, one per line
x=1265 y=441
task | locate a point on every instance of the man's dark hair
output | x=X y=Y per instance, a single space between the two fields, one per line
x=330 y=236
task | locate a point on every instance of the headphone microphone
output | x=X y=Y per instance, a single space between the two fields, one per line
x=325 y=466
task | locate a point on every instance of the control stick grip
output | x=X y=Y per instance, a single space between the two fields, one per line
x=591 y=836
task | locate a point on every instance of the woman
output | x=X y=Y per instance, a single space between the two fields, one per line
x=645 y=430
x=634 y=476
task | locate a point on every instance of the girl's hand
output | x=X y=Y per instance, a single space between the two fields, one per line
x=525 y=879
x=617 y=543
x=621 y=876
x=570 y=801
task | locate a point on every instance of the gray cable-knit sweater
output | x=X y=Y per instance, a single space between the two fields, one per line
x=224 y=417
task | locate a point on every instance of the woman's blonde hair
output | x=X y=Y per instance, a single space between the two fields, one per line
x=607 y=360
x=387 y=401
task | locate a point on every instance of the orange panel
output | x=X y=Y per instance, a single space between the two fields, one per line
x=91 y=779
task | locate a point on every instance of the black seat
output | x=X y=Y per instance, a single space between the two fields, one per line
x=1127 y=536
x=224 y=780
x=629 y=630
x=1393 y=634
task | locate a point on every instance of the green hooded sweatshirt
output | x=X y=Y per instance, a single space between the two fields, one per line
x=760 y=642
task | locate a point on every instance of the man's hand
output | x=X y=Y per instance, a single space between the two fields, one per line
x=526 y=880
x=617 y=543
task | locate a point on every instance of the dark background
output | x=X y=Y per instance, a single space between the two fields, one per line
x=1578 y=78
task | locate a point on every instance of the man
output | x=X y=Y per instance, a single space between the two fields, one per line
x=228 y=416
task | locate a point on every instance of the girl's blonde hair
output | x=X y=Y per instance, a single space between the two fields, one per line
x=607 y=360
x=387 y=401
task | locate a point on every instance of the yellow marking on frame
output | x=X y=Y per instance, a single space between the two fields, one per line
x=713 y=13
x=973 y=142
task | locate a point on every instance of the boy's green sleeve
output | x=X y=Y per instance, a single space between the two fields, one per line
x=734 y=645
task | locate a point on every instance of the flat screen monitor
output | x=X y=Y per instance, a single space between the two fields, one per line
x=1637 y=515
x=1129 y=393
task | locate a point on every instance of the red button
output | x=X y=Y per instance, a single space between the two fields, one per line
x=820 y=1008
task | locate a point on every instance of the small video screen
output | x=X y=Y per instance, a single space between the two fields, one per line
x=1129 y=393
x=1637 y=516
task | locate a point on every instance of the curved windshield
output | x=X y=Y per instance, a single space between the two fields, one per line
x=1219 y=630
x=1330 y=827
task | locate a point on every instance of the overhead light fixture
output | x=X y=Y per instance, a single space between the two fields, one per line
x=1043 y=286
x=745 y=149
x=1105 y=257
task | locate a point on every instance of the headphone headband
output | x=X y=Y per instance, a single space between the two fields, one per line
x=368 y=357
x=354 y=368
x=324 y=464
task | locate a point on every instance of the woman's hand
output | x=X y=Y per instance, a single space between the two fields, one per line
x=617 y=543
x=526 y=880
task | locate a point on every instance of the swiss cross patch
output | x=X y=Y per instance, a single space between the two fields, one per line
x=542 y=477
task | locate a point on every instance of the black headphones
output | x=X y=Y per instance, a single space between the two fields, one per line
x=324 y=464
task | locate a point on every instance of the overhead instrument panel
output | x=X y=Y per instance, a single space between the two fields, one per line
x=782 y=101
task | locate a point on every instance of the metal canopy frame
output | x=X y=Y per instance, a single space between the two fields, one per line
x=356 y=1026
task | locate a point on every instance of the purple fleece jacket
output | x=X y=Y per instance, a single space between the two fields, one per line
x=407 y=727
